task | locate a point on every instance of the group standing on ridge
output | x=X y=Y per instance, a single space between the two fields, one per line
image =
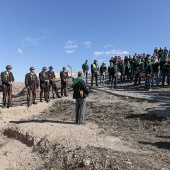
x=154 y=70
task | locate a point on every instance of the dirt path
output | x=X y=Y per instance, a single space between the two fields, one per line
x=119 y=134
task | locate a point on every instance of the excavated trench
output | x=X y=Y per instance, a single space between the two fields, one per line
x=15 y=134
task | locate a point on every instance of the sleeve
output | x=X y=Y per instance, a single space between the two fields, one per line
x=85 y=89
x=41 y=78
x=26 y=79
x=3 y=79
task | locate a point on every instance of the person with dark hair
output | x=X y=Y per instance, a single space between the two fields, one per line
x=138 y=69
x=64 y=81
x=155 y=69
x=148 y=71
x=85 y=68
x=31 y=83
x=94 y=72
x=52 y=83
x=103 y=70
x=113 y=77
x=121 y=69
x=44 y=84
x=128 y=71
x=80 y=93
x=7 y=79
x=166 y=73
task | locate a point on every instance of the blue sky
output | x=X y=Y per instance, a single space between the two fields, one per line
x=67 y=32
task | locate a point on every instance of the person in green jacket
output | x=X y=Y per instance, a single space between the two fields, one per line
x=80 y=92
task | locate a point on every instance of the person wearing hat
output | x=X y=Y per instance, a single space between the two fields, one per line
x=52 y=83
x=31 y=83
x=103 y=70
x=94 y=72
x=44 y=84
x=7 y=79
x=64 y=80
x=85 y=68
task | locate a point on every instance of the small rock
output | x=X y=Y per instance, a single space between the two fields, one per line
x=86 y=162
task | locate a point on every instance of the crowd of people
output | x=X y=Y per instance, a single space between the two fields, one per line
x=154 y=69
x=46 y=81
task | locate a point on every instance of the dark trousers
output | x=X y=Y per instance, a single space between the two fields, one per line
x=54 y=88
x=31 y=94
x=114 y=81
x=63 y=88
x=122 y=77
x=165 y=75
x=137 y=78
x=7 y=90
x=80 y=110
x=129 y=76
x=94 y=75
x=110 y=76
x=44 y=90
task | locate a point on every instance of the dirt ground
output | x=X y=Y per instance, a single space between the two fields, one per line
x=120 y=133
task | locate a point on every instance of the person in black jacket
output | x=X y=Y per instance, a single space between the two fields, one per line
x=149 y=74
x=7 y=79
x=80 y=92
x=165 y=73
x=155 y=69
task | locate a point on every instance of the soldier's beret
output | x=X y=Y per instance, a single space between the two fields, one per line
x=64 y=68
x=8 y=66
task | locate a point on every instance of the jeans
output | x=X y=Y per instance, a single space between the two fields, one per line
x=86 y=75
x=80 y=110
x=102 y=79
x=164 y=76
x=114 y=81
x=148 y=83
x=155 y=76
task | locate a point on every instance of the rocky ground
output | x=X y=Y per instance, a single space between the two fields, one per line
x=120 y=133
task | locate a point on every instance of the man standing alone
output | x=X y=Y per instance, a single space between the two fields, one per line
x=7 y=79
x=80 y=93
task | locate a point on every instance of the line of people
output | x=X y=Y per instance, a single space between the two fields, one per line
x=46 y=80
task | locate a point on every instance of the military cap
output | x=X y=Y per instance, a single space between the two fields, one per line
x=64 y=68
x=51 y=67
x=32 y=68
x=8 y=66
x=95 y=60
x=44 y=68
